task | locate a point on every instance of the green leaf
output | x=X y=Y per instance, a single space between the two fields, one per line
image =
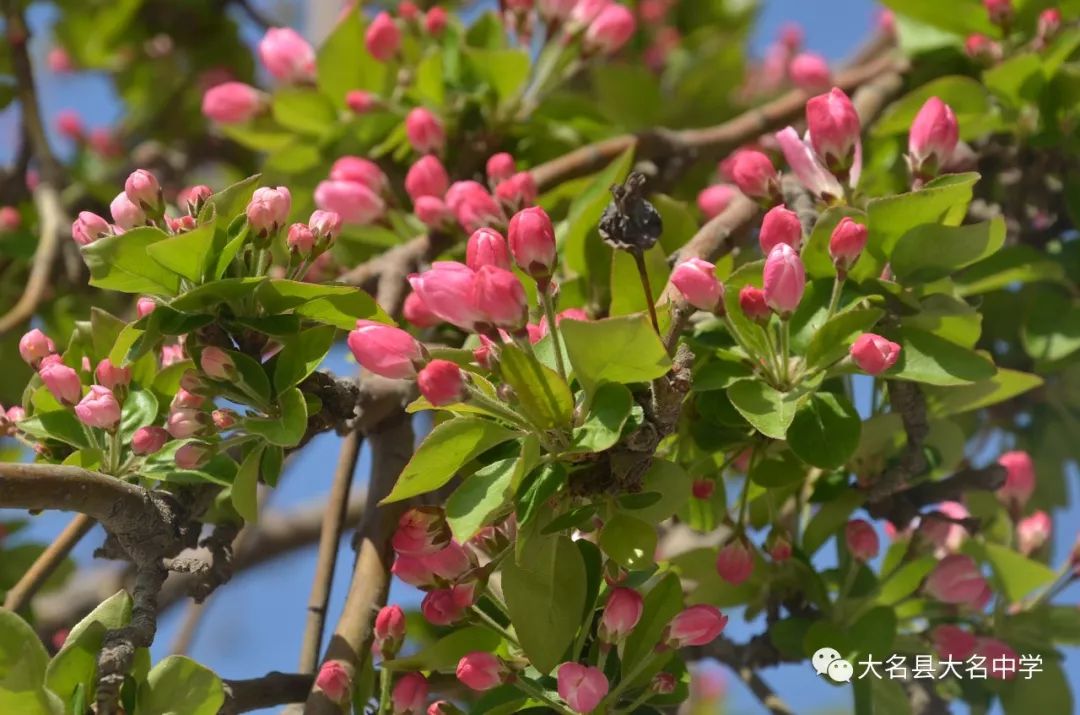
x=343 y=65
x=662 y=603
x=113 y=612
x=829 y=518
x=60 y=425
x=1051 y=331
x=213 y=294
x=603 y=424
x=966 y=96
x=672 y=482
x=105 y=329
x=304 y=111
x=1017 y=574
x=445 y=653
x=777 y=471
x=766 y=408
x=832 y=341
x=961 y=20
x=1047 y=691
x=825 y=431
x=746 y=331
x=188 y=254
x=582 y=251
x=545 y=595
x=75 y=666
x=287 y=428
x=629 y=541
x=230 y=201
x=244 y=493
x=336 y=305
x=536 y=489
x=627 y=293
x=480 y=497
x=1017 y=80
x=1012 y=264
x=446 y=449
x=891 y=217
x=505 y=71
x=1004 y=385
x=905 y=580
x=180 y=686
x=927 y=358
x=543 y=397
x=302 y=355
x=721 y=373
x=140 y=409
x=929 y=252
x=22 y=670
x=429 y=86
x=120 y=263
x=623 y=350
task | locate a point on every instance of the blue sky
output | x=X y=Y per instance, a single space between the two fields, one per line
x=255 y=624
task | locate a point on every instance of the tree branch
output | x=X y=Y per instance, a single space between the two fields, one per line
x=746 y=660
x=269 y=691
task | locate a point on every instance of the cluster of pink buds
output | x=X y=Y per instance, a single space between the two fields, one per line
x=953 y=642
x=355 y=191
x=831 y=152
x=141 y=203
x=308 y=241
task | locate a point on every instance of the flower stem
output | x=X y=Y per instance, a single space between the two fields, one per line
x=624 y=683
x=785 y=351
x=482 y=400
x=531 y=690
x=643 y=271
x=385 y=680
x=114 y=451
x=548 y=303
x=834 y=299
x=494 y=625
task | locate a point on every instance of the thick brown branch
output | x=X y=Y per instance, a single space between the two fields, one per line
x=269 y=691
x=907 y=400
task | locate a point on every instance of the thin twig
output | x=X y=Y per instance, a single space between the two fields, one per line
x=45 y=564
x=332 y=527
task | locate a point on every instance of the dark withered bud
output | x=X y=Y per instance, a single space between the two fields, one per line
x=630 y=222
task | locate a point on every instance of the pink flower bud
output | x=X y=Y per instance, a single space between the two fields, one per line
x=755 y=175
x=34 y=346
x=143 y=190
x=696 y=280
x=449 y=289
x=780 y=547
x=933 y=138
x=780 y=225
x=193 y=455
x=62 y=381
x=785 y=279
x=581 y=686
x=611 y=29
x=847 y=243
x=384 y=349
x=171 y=354
x=953 y=642
x=862 y=540
x=427 y=177
x=695 y=626
x=425 y=131
x=886 y=22
x=89 y=227
x=808 y=166
x=435 y=21
x=359 y=170
x=269 y=209
x=414 y=570
x=834 y=129
x=558 y=10
x=216 y=363
x=445 y=606
x=361 y=102
x=940 y=529
x=500 y=167
x=145 y=306
x=957 y=580
x=703 y=489
x=532 y=242
x=442 y=383
x=125 y=214
x=663 y=683
x=874 y=354
x=300 y=240
x=810 y=72
x=10 y=219
x=480 y=671
x=287 y=55
x=185 y=422
x=621 y=615
x=186 y=398
x=501 y=298
x=442 y=707
x=715 y=199
x=112 y=376
x=421 y=531
x=517 y=191
x=179 y=225
x=753 y=304
x=585 y=11
x=487 y=247
x=1049 y=24
x=193 y=198
x=734 y=563
x=982 y=49
x=408 y=11
x=326 y=225
x=231 y=103
x=472 y=206
x=410 y=694
x=432 y=212
x=383 y=38
x=99 y=408
x=59 y=61
x=354 y=202
x=69 y=124
x=148 y=440
x=1000 y=12
x=224 y=419
x=389 y=630
x=1019 y=479
x=999 y=657
x=1032 y=532
x=417 y=312
x=334 y=681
